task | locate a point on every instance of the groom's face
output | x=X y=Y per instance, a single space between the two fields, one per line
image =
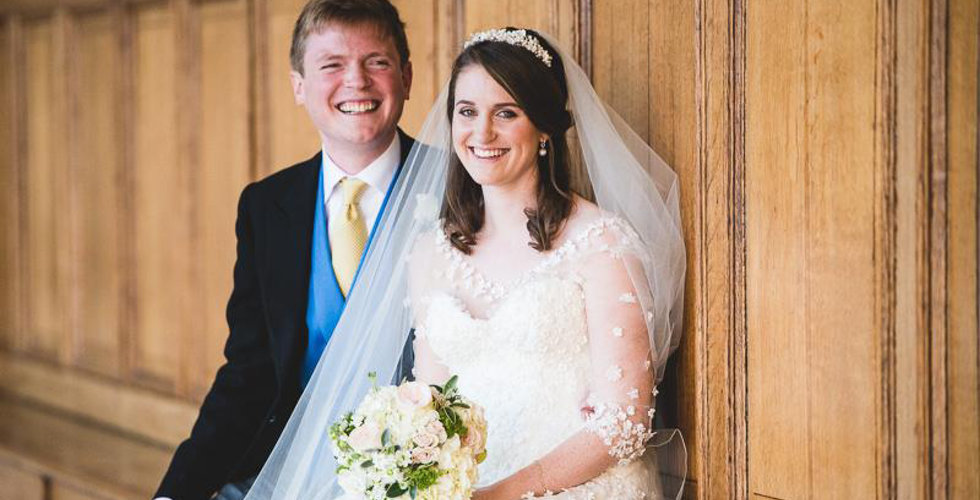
x=353 y=85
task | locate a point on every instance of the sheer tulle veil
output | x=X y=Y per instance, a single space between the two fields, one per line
x=626 y=177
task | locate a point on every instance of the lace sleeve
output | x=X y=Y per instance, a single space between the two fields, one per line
x=622 y=381
x=422 y=281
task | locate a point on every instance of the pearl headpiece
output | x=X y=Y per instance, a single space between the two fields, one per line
x=518 y=38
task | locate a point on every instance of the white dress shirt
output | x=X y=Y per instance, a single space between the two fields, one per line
x=377 y=175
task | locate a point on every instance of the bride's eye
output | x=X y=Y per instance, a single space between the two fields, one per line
x=507 y=113
x=467 y=112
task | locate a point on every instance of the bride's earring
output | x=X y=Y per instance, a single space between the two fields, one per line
x=542 y=151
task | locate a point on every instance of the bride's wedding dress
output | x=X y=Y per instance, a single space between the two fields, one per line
x=523 y=350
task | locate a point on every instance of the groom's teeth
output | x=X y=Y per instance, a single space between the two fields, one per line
x=488 y=153
x=352 y=107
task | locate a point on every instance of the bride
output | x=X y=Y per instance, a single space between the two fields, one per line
x=557 y=313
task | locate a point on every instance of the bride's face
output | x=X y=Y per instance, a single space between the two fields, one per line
x=492 y=135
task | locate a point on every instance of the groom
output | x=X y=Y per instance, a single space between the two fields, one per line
x=301 y=233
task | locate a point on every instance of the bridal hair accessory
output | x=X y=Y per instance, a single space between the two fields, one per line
x=518 y=38
x=542 y=150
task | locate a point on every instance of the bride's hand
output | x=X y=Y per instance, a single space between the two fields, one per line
x=485 y=494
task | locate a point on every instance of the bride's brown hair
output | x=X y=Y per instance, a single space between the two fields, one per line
x=542 y=93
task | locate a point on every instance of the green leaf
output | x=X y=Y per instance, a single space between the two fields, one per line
x=413 y=492
x=385 y=437
x=367 y=463
x=395 y=490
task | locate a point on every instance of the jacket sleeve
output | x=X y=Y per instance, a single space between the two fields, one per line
x=243 y=390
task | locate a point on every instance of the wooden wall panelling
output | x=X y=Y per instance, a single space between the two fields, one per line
x=964 y=358
x=99 y=292
x=46 y=194
x=9 y=182
x=621 y=75
x=159 y=197
x=671 y=50
x=293 y=136
x=20 y=483
x=421 y=18
x=776 y=250
x=556 y=17
x=717 y=402
x=937 y=176
x=910 y=289
x=843 y=337
x=258 y=86
x=885 y=228
x=222 y=171
x=112 y=402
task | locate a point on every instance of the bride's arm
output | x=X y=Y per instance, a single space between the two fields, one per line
x=428 y=368
x=621 y=389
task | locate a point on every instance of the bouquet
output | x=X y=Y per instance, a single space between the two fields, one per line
x=411 y=441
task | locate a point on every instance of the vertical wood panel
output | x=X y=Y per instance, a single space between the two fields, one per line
x=842 y=332
x=293 y=136
x=964 y=355
x=100 y=288
x=223 y=171
x=672 y=121
x=9 y=199
x=776 y=213
x=620 y=76
x=46 y=195
x=911 y=294
x=422 y=30
x=157 y=200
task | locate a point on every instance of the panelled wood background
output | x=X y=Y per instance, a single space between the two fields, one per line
x=827 y=151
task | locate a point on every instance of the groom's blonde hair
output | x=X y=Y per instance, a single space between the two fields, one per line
x=318 y=13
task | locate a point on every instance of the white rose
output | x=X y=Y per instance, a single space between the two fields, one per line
x=414 y=394
x=424 y=455
x=474 y=439
x=366 y=437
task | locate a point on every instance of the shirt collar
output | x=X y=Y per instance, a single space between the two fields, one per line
x=377 y=174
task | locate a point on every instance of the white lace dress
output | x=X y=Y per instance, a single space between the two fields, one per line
x=542 y=348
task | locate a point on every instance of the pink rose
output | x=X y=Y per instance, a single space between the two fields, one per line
x=424 y=455
x=473 y=439
x=365 y=437
x=425 y=439
x=415 y=394
x=435 y=427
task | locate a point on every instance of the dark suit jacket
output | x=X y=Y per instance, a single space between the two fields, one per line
x=256 y=389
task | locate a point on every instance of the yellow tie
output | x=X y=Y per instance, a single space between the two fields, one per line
x=348 y=234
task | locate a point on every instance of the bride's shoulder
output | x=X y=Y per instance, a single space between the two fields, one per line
x=589 y=223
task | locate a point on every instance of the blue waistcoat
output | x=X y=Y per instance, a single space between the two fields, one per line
x=326 y=301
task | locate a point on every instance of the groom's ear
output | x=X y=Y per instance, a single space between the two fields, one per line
x=407 y=78
x=297 y=80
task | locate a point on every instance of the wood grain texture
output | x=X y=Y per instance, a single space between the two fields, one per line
x=293 y=136
x=964 y=355
x=422 y=30
x=911 y=270
x=222 y=171
x=9 y=180
x=776 y=249
x=114 y=403
x=46 y=196
x=158 y=198
x=99 y=291
x=842 y=363
x=19 y=483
